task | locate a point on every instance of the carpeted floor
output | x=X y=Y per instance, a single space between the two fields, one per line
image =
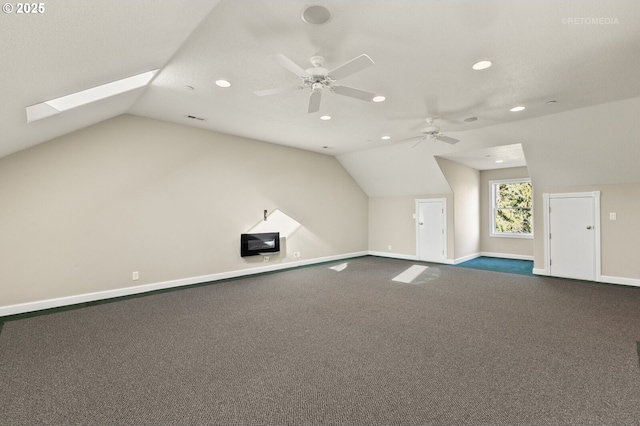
x=342 y=346
x=511 y=266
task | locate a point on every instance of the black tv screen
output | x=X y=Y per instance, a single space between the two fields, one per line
x=254 y=244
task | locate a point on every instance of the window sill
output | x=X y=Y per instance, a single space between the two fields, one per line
x=518 y=236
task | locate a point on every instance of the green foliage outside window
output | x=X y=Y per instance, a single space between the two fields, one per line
x=513 y=204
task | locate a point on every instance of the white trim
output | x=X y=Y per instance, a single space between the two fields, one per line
x=393 y=255
x=411 y=257
x=620 y=280
x=492 y=213
x=507 y=255
x=465 y=258
x=604 y=279
x=443 y=201
x=545 y=236
x=128 y=291
x=546 y=197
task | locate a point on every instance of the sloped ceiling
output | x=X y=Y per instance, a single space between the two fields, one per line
x=75 y=45
x=579 y=53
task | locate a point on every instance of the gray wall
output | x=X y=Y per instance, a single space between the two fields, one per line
x=80 y=213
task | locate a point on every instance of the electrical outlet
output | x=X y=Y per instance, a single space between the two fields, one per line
x=265 y=259
x=613 y=216
x=135 y=276
x=296 y=254
x=389 y=247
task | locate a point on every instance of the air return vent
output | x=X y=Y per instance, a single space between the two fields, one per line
x=193 y=117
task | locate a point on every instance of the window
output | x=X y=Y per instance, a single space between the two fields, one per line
x=511 y=208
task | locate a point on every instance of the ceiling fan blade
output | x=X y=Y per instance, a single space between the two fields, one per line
x=354 y=93
x=291 y=66
x=275 y=91
x=314 y=101
x=353 y=66
x=416 y=144
x=420 y=139
x=447 y=139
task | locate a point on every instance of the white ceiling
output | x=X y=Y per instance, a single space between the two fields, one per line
x=579 y=53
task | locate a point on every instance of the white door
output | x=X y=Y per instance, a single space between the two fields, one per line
x=572 y=237
x=431 y=234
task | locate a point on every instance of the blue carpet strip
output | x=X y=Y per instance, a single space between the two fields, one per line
x=511 y=266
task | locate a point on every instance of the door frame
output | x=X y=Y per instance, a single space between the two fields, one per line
x=416 y=215
x=595 y=195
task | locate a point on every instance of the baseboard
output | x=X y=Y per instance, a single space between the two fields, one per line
x=393 y=255
x=540 y=271
x=619 y=280
x=129 y=291
x=412 y=257
x=605 y=279
x=507 y=256
x=466 y=258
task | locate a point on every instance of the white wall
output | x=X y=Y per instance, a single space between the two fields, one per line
x=391 y=223
x=80 y=213
x=506 y=247
x=619 y=239
x=465 y=183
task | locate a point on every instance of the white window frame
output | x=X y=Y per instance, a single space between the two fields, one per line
x=492 y=209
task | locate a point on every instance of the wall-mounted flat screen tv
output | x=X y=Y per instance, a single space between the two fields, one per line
x=254 y=244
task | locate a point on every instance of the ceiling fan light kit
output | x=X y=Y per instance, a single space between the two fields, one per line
x=430 y=131
x=318 y=78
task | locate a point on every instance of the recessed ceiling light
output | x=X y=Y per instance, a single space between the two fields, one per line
x=481 y=65
x=517 y=108
x=316 y=15
x=223 y=83
x=470 y=119
x=325 y=117
x=56 y=106
x=379 y=98
x=499 y=161
x=385 y=138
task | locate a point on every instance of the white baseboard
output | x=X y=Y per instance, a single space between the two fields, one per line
x=507 y=256
x=619 y=280
x=412 y=257
x=540 y=271
x=466 y=258
x=393 y=255
x=605 y=279
x=128 y=291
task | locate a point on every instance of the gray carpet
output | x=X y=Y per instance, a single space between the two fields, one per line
x=314 y=346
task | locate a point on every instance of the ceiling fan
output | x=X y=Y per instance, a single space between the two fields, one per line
x=430 y=131
x=318 y=78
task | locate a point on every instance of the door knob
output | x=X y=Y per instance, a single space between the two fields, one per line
x=420 y=223
x=589 y=227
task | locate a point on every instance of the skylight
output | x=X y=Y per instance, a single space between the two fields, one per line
x=64 y=103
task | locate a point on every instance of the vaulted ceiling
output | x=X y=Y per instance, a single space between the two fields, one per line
x=580 y=54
